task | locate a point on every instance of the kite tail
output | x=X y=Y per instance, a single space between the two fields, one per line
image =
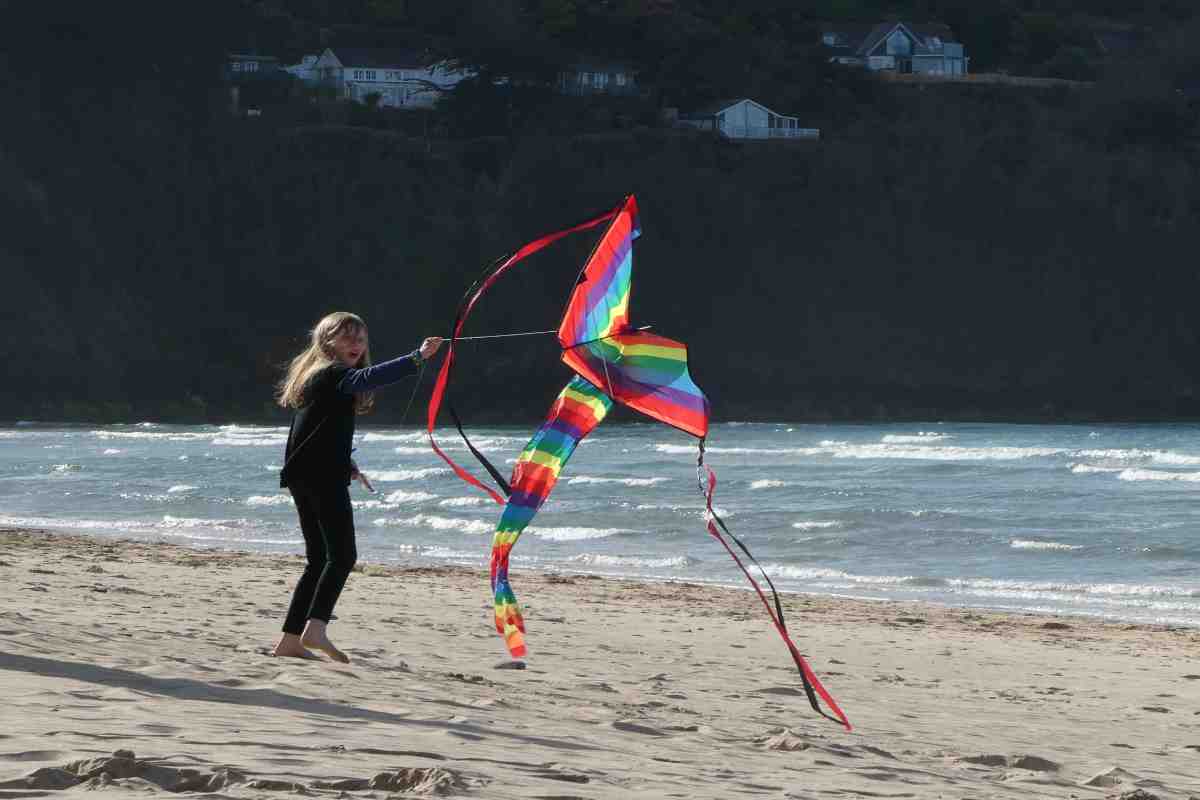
x=578 y=409
x=509 y=622
x=812 y=685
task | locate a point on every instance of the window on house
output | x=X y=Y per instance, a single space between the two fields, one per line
x=621 y=79
x=370 y=74
x=585 y=79
x=830 y=39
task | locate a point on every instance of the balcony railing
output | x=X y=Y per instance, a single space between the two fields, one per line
x=765 y=132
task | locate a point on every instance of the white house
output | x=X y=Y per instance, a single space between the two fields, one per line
x=897 y=47
x=306 y=70
x=745 y=119
x=400 y=78
x=597 y=77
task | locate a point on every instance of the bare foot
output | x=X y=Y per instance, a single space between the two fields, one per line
x=315 y=637
x=289 y=646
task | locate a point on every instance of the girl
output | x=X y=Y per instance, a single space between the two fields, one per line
x=326 y=386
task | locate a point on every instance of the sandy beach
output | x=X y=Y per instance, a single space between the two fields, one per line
x=141 y=668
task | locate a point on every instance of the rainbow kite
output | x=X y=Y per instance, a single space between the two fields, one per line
x=613 y=362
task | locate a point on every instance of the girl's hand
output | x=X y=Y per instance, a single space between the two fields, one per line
x=357 y=475
x=364 y=481
x=429 y=347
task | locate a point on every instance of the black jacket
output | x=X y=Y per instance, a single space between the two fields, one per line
x=322 y=433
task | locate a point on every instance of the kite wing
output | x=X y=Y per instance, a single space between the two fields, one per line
x=578 y=410
x=599 y=304
x=646 y=372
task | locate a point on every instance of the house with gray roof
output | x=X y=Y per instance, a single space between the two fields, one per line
x=901 y=47
x=399 y=78
x=742 y=118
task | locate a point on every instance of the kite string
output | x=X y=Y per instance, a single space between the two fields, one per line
x=413 y=396
x=538 y=333
x=502 y=335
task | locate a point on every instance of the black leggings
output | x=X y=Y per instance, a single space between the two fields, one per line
x=327 y=521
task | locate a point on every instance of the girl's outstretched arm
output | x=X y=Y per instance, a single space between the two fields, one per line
x=388 y=372
x=377 y=375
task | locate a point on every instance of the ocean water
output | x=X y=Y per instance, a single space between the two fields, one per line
x=1100 y=520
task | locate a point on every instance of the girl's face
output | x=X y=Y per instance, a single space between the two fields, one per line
x=349 y=345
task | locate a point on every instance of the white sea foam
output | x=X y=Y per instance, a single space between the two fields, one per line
x=923 y=437
x=394 y=437
x=75 y=524
x=634 y=562
x=462 y=502
x=622 y=481
x=668 y=507
x=161 y=436
x=1031 y=544
x=1134 y=474
x=273 y=440
x=575 y=534
x=181 y=487
x=269 y=500
x=1115 y=593
x=1090 y=469
x=1165 y=457
x=401 y=496
x=112 y=451
x=823 y=574
x=395 y=499
x=1174 y=459
x=150 y=497
x=882 y=451
x=169 y=521
x=813 y=525
x=236 y=428
x=436 y=523
x=389 y=476
x=767 y=483
x=63 y=468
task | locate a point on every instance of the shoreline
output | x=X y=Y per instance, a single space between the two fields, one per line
x=549 y=575
x=632 y=689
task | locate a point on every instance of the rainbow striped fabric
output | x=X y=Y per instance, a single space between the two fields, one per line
x=646 y=372
x=578 y=409
x=599 y=304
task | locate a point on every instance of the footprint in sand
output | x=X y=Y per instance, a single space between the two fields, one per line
x=1026 y=762
x=33 y=755
x=633 y=727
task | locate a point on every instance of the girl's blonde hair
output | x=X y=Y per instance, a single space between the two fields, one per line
x=320 y=354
